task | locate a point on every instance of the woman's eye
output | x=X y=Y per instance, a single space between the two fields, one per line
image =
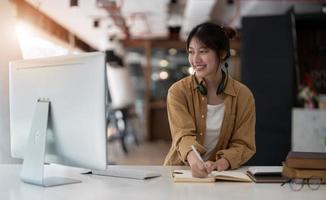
x=203 y=51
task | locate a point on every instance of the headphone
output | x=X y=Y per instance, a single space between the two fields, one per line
x=220 y=89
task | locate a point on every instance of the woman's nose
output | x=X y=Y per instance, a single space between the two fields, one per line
x=196 y=57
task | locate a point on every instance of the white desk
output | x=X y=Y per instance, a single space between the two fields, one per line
x=110 y=188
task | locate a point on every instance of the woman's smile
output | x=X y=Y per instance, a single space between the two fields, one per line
x=199 y=67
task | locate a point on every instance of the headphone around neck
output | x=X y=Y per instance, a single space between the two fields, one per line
x=220 y=89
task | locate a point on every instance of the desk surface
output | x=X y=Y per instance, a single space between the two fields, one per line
x=101 y=187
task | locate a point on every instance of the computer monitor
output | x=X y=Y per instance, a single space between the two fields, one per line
x=57 y=114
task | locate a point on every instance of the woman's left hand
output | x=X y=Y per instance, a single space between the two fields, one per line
x=220 y=165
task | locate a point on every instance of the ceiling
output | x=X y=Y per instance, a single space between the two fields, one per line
x=151 y=18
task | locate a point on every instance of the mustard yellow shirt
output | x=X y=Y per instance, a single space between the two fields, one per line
x=187 y=111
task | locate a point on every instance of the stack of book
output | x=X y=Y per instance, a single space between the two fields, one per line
x=305 y=165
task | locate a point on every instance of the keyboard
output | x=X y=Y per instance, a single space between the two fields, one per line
x=127 y=173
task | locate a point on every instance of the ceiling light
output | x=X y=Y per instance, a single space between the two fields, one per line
x=173 y=51
x=164 y=75
x=164 y=63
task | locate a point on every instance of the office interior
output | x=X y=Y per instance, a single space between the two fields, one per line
x=279 y=53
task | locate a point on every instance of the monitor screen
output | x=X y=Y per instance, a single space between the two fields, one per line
x=75 y=87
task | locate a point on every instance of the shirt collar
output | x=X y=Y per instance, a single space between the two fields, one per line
x=229 y=89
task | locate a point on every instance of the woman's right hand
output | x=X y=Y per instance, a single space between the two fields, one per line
x=198 y=169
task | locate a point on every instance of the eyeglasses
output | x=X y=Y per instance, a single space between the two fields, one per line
x=296 y=184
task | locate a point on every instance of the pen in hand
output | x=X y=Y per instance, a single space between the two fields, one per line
x=198 y=156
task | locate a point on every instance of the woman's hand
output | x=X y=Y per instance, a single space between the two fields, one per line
x=220 y=165
x=198 y=168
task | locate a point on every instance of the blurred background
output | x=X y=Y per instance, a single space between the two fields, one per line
x=279 y=53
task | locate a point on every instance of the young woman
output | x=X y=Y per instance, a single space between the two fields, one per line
x=210 y=110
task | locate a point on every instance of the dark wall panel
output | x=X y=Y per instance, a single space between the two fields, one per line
x=268 y=69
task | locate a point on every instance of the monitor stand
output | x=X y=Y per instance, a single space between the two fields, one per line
x=33 y=165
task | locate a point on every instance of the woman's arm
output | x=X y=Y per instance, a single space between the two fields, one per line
x=182 y=124
x=242 y=145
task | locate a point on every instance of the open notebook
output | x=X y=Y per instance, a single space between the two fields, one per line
x=186 y=176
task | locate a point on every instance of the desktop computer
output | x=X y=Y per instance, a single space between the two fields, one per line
x=58 y=114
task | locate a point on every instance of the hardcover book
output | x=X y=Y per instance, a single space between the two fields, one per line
x=306 y=160
x=266 y=174
x=303 y=173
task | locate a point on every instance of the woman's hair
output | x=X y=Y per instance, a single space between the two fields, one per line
x=212 y=36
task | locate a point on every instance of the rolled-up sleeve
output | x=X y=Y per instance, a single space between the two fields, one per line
x=182 y=124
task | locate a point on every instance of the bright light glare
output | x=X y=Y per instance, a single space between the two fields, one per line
x=155 y=77
x=164 y=75
x=173 y=51
x=164 y=63
x=191 y=70
x=23 y=31
x=34 y=46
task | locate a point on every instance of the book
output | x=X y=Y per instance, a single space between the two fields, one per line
x=306 y=160
x=265 y=170
x=266 y=174
x=303 y=173
x=186 y=176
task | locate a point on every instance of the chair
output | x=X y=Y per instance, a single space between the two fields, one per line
x=121 y=104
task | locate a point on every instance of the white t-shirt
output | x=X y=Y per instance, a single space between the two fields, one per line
x=215 y=114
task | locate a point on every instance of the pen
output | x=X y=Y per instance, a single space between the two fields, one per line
x=198 y=155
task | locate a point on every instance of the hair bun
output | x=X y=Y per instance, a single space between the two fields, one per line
x=230 y=32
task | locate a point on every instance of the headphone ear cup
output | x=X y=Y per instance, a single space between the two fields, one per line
x=221 y=86
x=202 y=89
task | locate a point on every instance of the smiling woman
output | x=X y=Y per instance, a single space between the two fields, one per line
x=210 y=110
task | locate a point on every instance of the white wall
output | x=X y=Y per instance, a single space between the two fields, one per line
x=308 y=130
x=9 y=50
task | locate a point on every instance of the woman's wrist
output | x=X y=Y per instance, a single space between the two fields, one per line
x=222 y=164
x=190 y=157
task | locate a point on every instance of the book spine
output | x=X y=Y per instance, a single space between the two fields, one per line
x=303 y=173
x=306 y=163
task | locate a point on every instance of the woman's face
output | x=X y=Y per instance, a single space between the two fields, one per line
x=204 y=60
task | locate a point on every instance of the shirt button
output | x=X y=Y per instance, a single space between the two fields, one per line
x=203 y=98
x=200 y=134
x=202 y=116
